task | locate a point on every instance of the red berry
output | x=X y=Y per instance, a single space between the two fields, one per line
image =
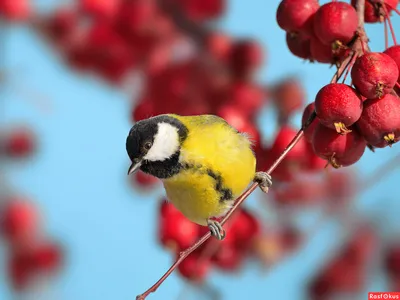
x=135 y=16
x=219 y=45
x=309 y=132
x=15 y=10
x=19 y=221
x=297 y=15
x=62 y=26
x=47 y=257
x=394 y=53
x=335 y=22
x=28 y=264
x=176 y=232
x=298 y=45
x=246 y=96
x=289 y=96
x=341 y=186
x=339 y=150
x=228 y=258
x=380 y=121
x=20 y=268
x=235 y=116
x=374 y=74
x=100 y=8
x=301 y=191
x=144 y=181
x=202 y=10
x=109 y=52
x=194 y=267
x=245 y=57
x=313 y=162
x=143 y=110
x=392 y=260
x=19 y=143
x=338 y=106
x=245 y=228
x=321 y=52
x=282 y=140
x=360 y=247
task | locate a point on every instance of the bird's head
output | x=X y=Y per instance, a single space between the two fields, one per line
x=153 y=145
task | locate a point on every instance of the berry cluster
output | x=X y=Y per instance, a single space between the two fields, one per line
x=349 y=117
x=31 y=256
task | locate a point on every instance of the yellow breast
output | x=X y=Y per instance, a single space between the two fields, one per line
x=217 y=165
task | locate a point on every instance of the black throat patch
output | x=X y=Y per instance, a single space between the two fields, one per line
x=170 y=166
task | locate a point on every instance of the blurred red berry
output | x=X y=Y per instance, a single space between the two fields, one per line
x=143 y=109
x=219 y=45
x=289 y=96
x=100 y=8
x=245 y=57
x=203 y=10
x=247 y=96
x=194 y=268
x=228 y=258
x=15 y=10
x=176 y=232
x=144 y=180
x=282 y=139
x=29 y=264
x=18 y=143
x=392 y=260
x=237 y=118
x=19 y=221
x=245 y=227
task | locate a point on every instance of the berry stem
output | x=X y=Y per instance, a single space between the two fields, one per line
x=386 y=34
x=350 y=65
x=390 y=24
x=396 y=10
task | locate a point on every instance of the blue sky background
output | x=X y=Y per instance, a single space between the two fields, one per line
x=78 y=177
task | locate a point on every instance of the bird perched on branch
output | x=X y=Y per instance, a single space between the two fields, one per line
x=203 y=162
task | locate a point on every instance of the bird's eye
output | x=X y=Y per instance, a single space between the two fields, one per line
x=147 y=146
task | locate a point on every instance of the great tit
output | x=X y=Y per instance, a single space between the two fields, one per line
x=203 y=162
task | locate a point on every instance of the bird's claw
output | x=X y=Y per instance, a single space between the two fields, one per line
x=264 y=181
x=216 y=229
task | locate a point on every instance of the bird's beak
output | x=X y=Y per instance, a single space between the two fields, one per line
x=134 y=167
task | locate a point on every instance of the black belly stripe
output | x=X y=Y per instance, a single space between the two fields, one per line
x=225 y=193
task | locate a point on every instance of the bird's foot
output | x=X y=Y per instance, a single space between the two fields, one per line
x=216 y=229
x=264 y=181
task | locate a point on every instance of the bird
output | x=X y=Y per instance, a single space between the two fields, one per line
x=203 y=162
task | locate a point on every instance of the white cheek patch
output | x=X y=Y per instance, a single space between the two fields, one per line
x=166 y=143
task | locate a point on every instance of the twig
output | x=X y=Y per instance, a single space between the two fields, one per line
x=386 y=34
x=360 y=9
x=390 y=24
x=239 y=201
